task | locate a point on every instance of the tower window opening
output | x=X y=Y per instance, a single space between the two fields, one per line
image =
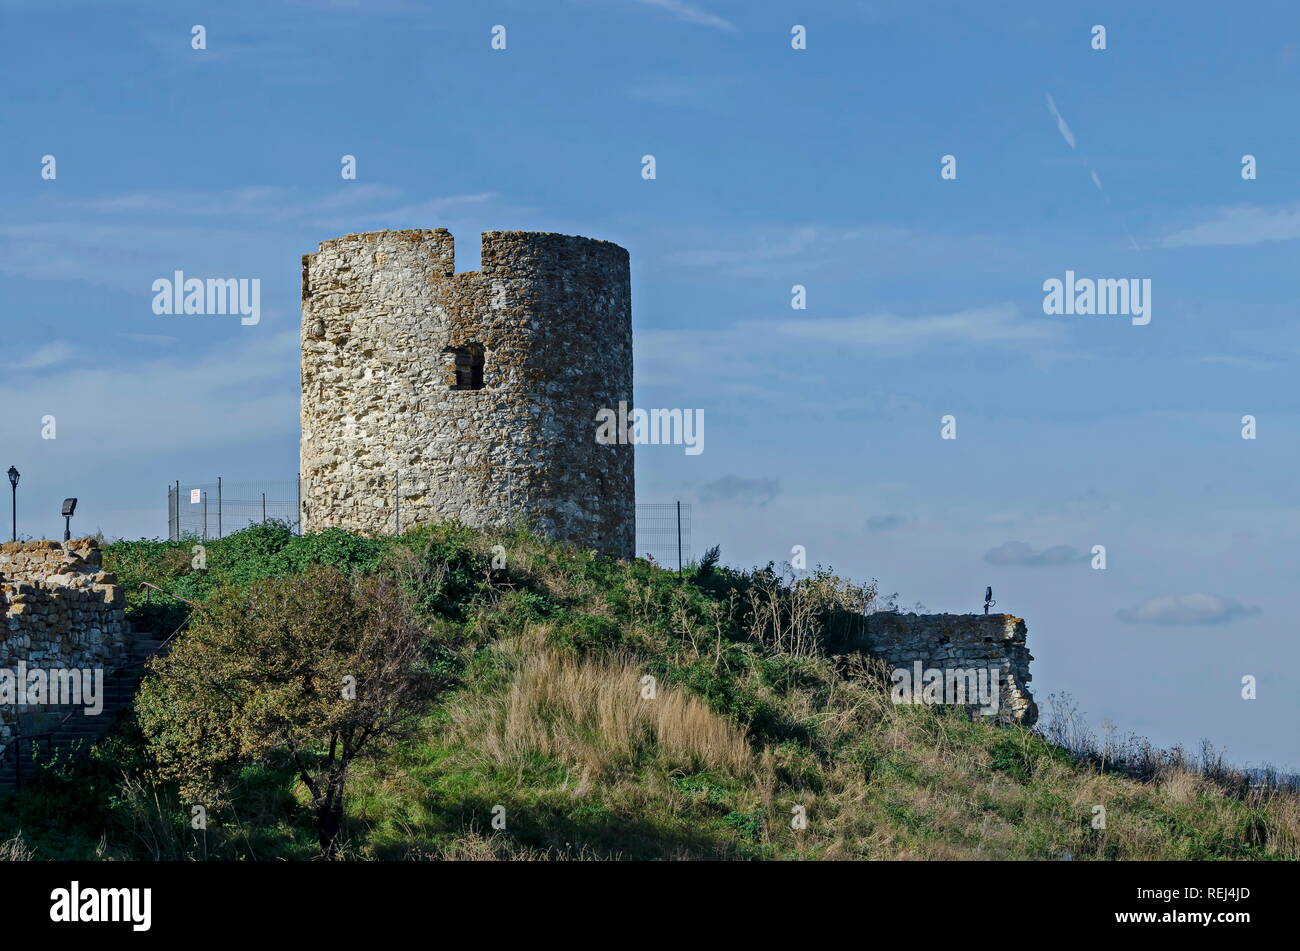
x=465 y=367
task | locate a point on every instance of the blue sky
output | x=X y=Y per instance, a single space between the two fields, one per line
x=775 y=167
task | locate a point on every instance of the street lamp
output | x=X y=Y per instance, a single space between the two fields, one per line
x=13 y=481
x=69 y=506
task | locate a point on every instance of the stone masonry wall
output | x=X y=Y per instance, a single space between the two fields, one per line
x=60 y=610
x=960 y=641
x=552 y=316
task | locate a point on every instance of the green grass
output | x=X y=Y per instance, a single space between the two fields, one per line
x=876 y=781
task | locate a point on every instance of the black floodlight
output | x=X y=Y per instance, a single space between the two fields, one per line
x=69 y=506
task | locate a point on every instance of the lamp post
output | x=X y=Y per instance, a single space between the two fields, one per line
x=69 y=506
x=13 y=481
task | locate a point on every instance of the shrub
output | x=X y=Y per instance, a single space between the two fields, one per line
x=319 y=666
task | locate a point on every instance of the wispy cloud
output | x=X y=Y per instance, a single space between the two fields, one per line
x=731 y=488
x=691 y=13
x=1061 y=124
x=1187 y=609
x=1018 y=553
x=895 y=332
x=1068 y=135
x=49 y=355
x=139 y=404
x=777 y=244
x=119 y=240
x=163 y=339
x=1240 y=225
x=348 y=201
x=758 y=351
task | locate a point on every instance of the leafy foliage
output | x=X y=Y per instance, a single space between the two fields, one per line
x=316 y=665
x=532 y=662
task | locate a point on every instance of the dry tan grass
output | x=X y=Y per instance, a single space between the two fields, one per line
x=1283 y=825
x=1181 y=786
x=591 y=714
x=16 y=850
x=937 y=796
x=476 y=847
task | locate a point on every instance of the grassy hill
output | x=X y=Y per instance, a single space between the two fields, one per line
x=545 y=722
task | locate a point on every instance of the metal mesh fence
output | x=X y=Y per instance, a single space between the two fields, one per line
x=213 y=510
x=216 y=509
x=663 y=532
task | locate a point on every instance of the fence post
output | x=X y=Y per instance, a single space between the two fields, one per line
x=218 y=506
x=679 y=538
x=205 y=516
x=263 y=508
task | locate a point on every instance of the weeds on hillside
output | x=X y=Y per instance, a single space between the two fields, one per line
x=768 y=735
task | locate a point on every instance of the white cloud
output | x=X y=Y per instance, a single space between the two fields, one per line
x=234 y=394
x=150 y=338
x=691 y=13
x=1186 y=609
x=776 y=244
x=894 y=332
x=122 y=241
x=1018 y=553
x=732 y=488
x=760 y=350
x=1060 y=123
x=1240 y=225
x=47 y=356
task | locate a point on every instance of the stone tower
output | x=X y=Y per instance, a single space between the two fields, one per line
x=429 y=395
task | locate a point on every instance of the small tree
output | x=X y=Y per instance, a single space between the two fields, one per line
x=315 y=666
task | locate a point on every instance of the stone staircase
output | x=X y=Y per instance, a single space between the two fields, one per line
x=69 y=730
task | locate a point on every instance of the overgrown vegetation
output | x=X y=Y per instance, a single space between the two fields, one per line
x=569 y=706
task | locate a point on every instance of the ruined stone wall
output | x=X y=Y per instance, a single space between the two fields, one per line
x=60 y=611
x=552 y=316
x=960 y=641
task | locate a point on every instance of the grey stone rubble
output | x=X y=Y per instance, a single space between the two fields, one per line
x=960 y=641
x=61 y=611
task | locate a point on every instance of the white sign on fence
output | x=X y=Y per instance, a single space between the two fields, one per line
x=195 y=496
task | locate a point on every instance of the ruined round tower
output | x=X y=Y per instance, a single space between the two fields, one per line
x=429 y=395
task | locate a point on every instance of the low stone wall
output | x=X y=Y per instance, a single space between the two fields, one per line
x=951 y=642
x=60 y=611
